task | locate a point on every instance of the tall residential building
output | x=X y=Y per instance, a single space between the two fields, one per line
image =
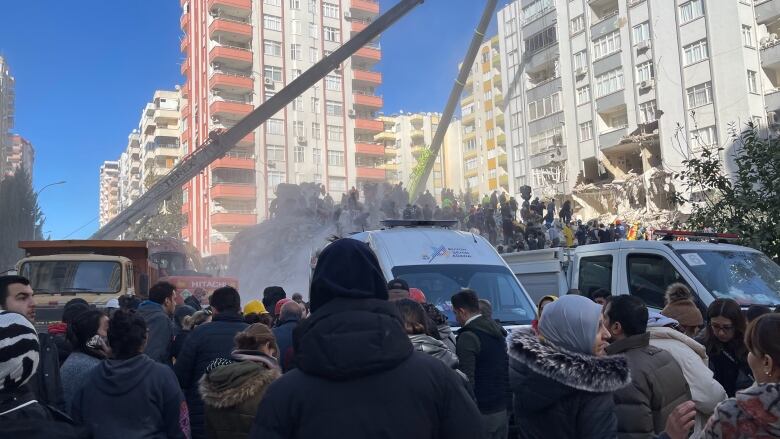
x=482 y=109
x=159 y=129
x=130 y=171
x=600 y=90
x=7 y=99
x=238 y=53
x=109 y=191
x=404 y=139
x=18 y=154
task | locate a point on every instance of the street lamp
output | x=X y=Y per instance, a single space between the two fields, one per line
x=50 y=184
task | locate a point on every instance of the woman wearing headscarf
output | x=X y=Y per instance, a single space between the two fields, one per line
x=540 y=307
x=563 y=381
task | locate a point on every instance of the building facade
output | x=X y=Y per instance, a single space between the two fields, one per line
x=19 y=154
x=130 y=171
x=601 y=91
x=7 y=104
x=109 y=191
x=239 y=53
x=482 y=110
x=159 y=132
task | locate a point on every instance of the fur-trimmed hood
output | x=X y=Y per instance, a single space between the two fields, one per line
x=573 y=370
x=231 y=385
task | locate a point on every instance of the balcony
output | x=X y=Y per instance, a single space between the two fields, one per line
x=222 y=29
x=417 y=120
x=366 y=77
x=247 y=142
x=606 y=24
x=235 y=162
x=230 y=109
x=236 y=8
x=767 y=11
x=364 y=7
x=372 y=174
x=366 y=100
x=418 y=134
x=370 y=149
x=770 y=55
x=184 y=22
x=369 y=125
x=772 y=100
x=185 y=67
x=231 y=83
x=230 y=56
x=358 y=25
x=233 y=190
x=233 y=219
x=185 y=44
x=368 y=55
x=612 y=139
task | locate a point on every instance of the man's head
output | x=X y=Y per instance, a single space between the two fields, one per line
x=163 y=294
x=486 y=308
x=465 y=305
x=19 y=351
x=625 y=316
x=271 y=295
x=16 y=295
x=291 y=311
x=225 y=300
x=297 y=297
x=600 y=296
x=397 y=289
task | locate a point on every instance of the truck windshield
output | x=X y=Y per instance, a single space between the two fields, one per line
x=73 y=276
x=747 y=277
x=494 y=283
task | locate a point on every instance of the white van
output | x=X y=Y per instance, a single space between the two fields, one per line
x=440 y=262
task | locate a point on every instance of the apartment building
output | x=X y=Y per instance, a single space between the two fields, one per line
x=19 y=154
x=109 y=191
x=7 y=102
x=239 y=53
x=482 y=110
x=130 y=171
x=405 y=138
x=158 y=139
x=599 y=90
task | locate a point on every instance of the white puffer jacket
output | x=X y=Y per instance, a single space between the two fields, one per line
x=692 y=358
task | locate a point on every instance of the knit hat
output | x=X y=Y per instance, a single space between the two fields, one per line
x=278 y=306
x=19 y=350
x=417 y=295
x=254 y=307
x=680 y=306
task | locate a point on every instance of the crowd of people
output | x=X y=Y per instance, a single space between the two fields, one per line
x=367 y=358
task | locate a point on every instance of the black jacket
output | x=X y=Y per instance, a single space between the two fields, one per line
x=284 y=339
x=205 y=344
x=132 y=398
x=358 y=377
x=160 y=325
x=178 y=342
x=481 y=349
x=21 y=417
x=561 y=394
x=46 y=384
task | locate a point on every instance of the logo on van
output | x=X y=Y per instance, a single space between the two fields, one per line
x=438 y=251
x=446 y=252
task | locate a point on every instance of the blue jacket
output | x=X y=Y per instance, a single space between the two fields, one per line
x=160 y=325
x=205 y=344
x=284 y=339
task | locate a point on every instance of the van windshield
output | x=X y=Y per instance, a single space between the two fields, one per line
x=747 y=277
x=494 y=283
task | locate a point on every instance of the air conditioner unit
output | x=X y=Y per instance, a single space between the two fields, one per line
x=347 y=15
x=269 y=82
x=351 y=113
x=772 y=118
x=215 y=119
x=582 y=71
x=647 y=84
x=302 y=140
x=642 y=46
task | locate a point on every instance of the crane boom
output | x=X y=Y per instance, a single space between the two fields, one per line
x=219 y=143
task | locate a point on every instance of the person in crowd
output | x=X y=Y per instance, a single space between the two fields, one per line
x=179 y=314
x=556 y=234
x=398 y=289
x=111 y=306
x=290 y=317
x=601 y=296
x=21 y=415
x=568 y=235
x=657 y=381
x=205 y=344
x=354 y=357
x=565 y=371
x=128 y=302
x=417 y=295
x=604 y=235
x=754 y=412
x=271 y=295
x=540 y=307
x=278 y=309
x=188 y=324
x=681 y=307
x=481 y=349
x=59 y=331
x=232 y=388
x=131 y=395
x=706 y=393
x=755 y=311
x=255 y=312
x=439 y=320
x=486 y=309
x=88 y=334
x=724 y=339
x=298 y=298
x=194 y=301
x=157 y=312
x=16 y=295
x=414 y=319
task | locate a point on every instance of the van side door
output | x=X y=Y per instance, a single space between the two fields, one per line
x=594 y=271
x=648 y=273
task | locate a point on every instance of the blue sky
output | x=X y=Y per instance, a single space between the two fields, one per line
x=84 y=70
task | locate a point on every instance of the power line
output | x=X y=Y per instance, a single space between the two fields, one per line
x=77 y=230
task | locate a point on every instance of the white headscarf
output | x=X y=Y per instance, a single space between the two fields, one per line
x=571 y=322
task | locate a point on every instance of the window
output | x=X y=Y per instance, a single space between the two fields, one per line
x=704 y=137
x=296 y=27
x=747 y=36
x=273 y=72
x=294 y=73
x=315 y=105
x=296 y=52
x=332 y=34
x=578 y=24
x=471 y=164
x=595 y=273
x=316 y=155
x=273 y=2
x=330 y=10
x=275 y=178
x=641 y=32
x=586 y=131
x=752 y=78
x=335 y=133
x=545 y=140
x=299 y=128
x=695 y=52
x=471 y=144
x=274 y=126
x=699 y=95
x=609 y=82
x=274 y=153
x=648 y=277
x=337 y=184
x=272 y=22
x=541 y=39
x=314 y=54
x=333 y=82
x=335 y=158
x=273 y=48
x=297 y=104
x=544 y=107
x=314 y=31
x=295 y=4
x=580 y=60
x=299 y=154
x=691 y=10
x=645 y=72
x=334 y=108
x=316 y=131
x=647 y=112
x=583 y=95
x=606 y=45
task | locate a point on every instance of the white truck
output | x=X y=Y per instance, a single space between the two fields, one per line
x=646 y=268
